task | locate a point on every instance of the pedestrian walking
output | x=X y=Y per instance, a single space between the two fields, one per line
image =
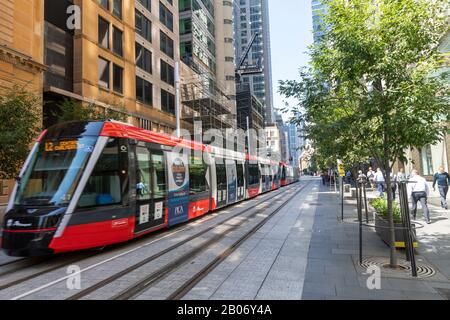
x=348 y=177
x=371 y=176
x=442 y=179
x=418 y=190
x=394 y=179
x=361 y=177
x=380 y=182
x=324 y=178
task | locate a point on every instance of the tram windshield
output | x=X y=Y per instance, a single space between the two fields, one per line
x=54 y=171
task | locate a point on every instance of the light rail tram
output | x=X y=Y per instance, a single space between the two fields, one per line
x=92 y=184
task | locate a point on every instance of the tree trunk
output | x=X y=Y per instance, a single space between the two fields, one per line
x=393 y=257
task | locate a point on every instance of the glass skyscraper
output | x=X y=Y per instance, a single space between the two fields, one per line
x=252 y=16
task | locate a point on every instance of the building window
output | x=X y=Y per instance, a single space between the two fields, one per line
x=117 y=41
x=117 y=78
x=147 y=4
x=167 y=102
x=143 y=26
x=104 y=4
x=103 y=72
x=185 y=26
x=166 y=44
x=144 y=91
x=103 y=32
x=427 y=161
x=143 y=58
x=165 y=16
x=167 y=73
x=117 y=8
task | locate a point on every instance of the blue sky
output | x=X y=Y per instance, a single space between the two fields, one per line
x=290 y=28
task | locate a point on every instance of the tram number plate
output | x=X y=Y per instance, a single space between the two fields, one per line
x=158 y=210
x=144 y=216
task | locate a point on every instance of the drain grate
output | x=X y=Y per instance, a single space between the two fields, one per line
x=404 y=270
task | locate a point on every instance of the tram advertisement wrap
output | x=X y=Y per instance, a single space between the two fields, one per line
x=178 y=174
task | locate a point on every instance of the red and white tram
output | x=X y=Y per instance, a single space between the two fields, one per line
x=92 y=184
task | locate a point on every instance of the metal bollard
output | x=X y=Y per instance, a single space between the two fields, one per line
x=359 y=208
x=365 y=203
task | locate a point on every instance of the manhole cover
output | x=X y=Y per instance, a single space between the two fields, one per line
x=404 y=269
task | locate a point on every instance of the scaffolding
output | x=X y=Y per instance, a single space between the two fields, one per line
x=204 y=101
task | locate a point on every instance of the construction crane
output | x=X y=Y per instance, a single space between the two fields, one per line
x=242 y=69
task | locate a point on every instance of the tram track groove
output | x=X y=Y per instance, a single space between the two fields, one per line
x=12 y=262
x=209 y=217
x=137 y=288
x=19 y=264
x=42 y=272
x=142 y=263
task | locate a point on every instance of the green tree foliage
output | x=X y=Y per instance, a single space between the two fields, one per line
x=73 y=110
x=20 y=121
x=369 y=91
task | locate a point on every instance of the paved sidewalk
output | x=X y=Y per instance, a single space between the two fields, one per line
x=333 y=271
x=434 y=238
x=305 y=252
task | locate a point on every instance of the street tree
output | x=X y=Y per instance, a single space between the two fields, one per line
x=73 y=110
x=20 y=121
x=370 y=89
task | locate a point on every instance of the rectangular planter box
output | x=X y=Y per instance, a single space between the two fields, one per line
x=382 y=229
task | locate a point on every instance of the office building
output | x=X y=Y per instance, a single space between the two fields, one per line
x=207 y=48
x=122 y=57
x=252 y=16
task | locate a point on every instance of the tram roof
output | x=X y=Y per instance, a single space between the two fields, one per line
x=128 y=131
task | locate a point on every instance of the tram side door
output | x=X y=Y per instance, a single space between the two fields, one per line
x=151 y=190
x=240 y=181
x=221 y=183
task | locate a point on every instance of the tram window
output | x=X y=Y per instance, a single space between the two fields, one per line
x=253 y=174
x=159 y=175
x=221 y=174
x=197 y=177
x=143 y=174
x=240 y=174
x=104 y=186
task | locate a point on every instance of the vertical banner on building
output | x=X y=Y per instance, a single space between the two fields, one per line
x=178 y=177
